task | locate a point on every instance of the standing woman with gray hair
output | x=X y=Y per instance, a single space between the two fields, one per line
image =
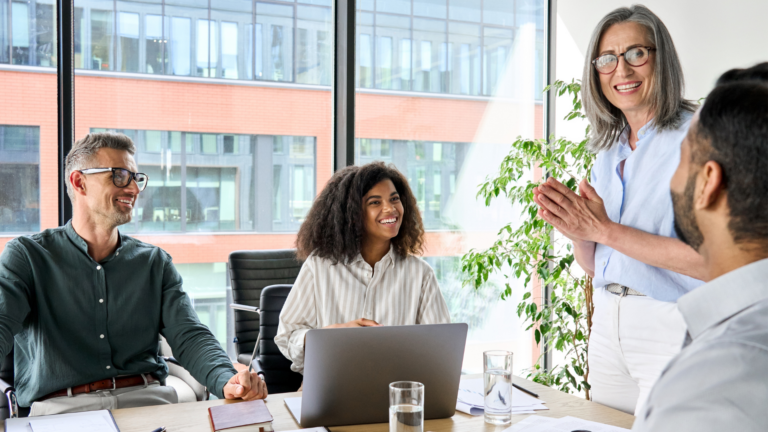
x=622 y=224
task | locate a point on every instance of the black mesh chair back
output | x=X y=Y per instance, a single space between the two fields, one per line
x=276 y=368
x=250 y=272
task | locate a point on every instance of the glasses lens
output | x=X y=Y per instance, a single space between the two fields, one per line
x=606 y=63
x=121 y=177
x=636 y=56
x=142 y=180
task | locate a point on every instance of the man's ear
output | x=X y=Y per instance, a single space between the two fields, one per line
x=709 y=185
x=77 y=180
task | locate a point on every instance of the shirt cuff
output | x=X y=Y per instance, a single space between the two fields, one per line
x=221 y=381
x=296 y=349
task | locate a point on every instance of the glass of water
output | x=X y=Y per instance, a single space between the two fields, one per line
x=497 y=377
x=406 y=406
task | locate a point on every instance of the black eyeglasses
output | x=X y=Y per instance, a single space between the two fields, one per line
x=121 y=177
x=636 y=57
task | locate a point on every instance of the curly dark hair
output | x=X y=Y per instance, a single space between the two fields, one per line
x=334 y=226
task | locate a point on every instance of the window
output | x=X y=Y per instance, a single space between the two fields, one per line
x=20 y=177
x=462 y=62
x=33 y=32
x=231 y=167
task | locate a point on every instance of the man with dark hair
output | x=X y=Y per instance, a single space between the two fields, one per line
x=720 y=196
x=83 y=304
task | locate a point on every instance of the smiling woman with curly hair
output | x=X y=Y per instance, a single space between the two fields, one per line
x=360 y=242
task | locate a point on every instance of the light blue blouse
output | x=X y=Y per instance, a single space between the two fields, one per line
x=640 y=200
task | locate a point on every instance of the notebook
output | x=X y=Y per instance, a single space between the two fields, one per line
x=89 y=421
x=251 y=416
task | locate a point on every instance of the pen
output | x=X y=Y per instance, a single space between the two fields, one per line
x=160 y=429
x=525 y=390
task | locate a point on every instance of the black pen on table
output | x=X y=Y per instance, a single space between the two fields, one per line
x=160 y=429
x=525 y=390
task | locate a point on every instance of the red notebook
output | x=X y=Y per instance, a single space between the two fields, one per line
x=252 y=416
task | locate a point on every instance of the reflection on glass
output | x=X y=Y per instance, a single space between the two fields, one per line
x=313 y=46
x=33 y=32
x=4 y=36
x=498 y=44
x=274 y=41
x=394 y=52
x=464 y=10
x=128 y=37
x=364 y=57
x=20 y=177
x=155 y=44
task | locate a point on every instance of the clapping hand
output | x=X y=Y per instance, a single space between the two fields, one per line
x=579 y=217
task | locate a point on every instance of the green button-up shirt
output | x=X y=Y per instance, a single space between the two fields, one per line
x=75 y=320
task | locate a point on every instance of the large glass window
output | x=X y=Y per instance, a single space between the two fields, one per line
x=489 y=55
x=235 y=143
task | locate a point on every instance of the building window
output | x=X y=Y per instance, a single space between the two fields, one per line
x=20 y=177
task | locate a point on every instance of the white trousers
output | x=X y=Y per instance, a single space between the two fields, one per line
x=129 y=397
x=633 y=338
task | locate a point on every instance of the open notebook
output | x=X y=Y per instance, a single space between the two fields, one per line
x=91 y=421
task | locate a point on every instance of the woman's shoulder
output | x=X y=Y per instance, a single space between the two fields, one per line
x=414 y=264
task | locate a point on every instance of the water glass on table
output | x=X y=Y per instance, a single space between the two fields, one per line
x=406 y=406
x=497 y=379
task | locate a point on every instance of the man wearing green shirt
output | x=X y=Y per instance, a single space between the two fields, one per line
x=85 y=303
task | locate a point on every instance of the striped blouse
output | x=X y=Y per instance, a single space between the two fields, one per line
x=397 y=291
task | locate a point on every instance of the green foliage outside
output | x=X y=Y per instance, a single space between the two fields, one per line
x=529 y=249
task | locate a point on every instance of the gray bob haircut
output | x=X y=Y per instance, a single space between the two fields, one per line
x=667 y=102
x=82 y=153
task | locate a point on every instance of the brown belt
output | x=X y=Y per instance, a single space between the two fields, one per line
x=107 y=384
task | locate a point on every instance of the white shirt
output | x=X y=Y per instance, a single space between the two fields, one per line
x=640 y=199
x=397 y=291
x=718 y=382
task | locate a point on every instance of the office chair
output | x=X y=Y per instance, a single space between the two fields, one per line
x=187 y=388
x=257 y=312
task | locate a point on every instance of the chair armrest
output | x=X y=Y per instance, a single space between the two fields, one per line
x=244 y=308
x=10 y=399
x=176 y=369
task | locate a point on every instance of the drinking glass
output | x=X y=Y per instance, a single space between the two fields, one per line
x=406 y=406
x=497 y=377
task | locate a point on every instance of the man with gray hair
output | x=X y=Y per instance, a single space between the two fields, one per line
x=86 y=303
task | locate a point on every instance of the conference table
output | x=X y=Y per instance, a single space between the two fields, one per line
x=193 y=417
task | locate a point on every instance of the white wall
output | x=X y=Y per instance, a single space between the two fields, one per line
x=711 y=36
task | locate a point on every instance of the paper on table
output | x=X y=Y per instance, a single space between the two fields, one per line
x=471 y=399
x=565 y=424
x=92 y=421
x=294 y=406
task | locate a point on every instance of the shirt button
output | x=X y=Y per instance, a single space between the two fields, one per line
x=101 y=300
x=109 y=367
x=98 y=267
x=101 y=336
x=604 y=263
x=117 y=253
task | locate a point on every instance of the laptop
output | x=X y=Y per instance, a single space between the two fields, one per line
x=347 y=371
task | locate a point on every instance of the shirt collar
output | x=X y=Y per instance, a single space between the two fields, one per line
x=724 y=297
x=644 y=132
x=80 y=243
x=390 y=256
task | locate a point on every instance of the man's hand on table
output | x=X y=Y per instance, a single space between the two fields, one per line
x=245 y=385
